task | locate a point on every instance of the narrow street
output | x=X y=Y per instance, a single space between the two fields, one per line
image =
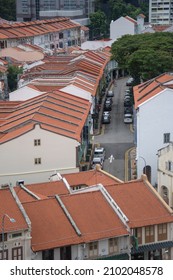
x=116 y=137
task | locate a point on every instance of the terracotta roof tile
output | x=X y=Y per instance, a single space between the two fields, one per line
x=57 y=112
x=103 y=222
x=139 y=204
x=49 y=216
x=9 y=206
x=149 y=89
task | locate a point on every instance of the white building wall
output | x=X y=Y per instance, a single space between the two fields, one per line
x=120 y=27
x=165 y=176
x=81 y=251
x=57 y=153
x=153 y=120
x=23 y=241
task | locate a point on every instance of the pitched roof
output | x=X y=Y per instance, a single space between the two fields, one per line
x=9 y=206
x=52 y=188
x=59 y=229
x=140 y=203
x=34 y=28
x=57 y=112
x=50 y=227
x=131 y=19
x=149 y=89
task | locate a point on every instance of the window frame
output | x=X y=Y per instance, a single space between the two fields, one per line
x=166 y=137
x=113 y=245
x=37 y=142
x=37 y=161
x=162 y=232
x=19 y=251
x=93 y=249
x=149 y=234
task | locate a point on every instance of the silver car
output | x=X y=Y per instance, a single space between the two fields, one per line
x=128 y=118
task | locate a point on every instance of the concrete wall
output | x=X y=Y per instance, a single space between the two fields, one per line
x=57 y=153
x=153 y=120
x=120 y=27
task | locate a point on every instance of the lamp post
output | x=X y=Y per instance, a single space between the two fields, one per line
x=144 y=163
x=12 y=220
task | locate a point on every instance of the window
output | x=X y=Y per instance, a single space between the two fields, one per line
x=48 y=255
x=138 y=235
x=5 y=237
x=16 y=235
x=162 y=232
x=37 y=142
x=166 y=137
x=17 y=253
x=5 y=257
x=93 y=249
x=113 y=245
x=149 y=234
x=61 y=35
x=37 y=160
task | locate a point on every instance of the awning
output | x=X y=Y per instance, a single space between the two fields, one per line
x=152 y=247
x=115 y=257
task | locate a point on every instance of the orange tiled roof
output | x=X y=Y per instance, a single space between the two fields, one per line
x=94 y=216
x=146 y=90
x=140 y=204
x=89 y=178
x=33 y=28
x=103 y=222
x=57 y=232
x=57 y=112
x=131 y=19
x=9 y=206
x=50 y=189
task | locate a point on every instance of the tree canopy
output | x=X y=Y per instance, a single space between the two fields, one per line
x=12 y=76
x=144 y=56
x=97 y=24
x=8 y=9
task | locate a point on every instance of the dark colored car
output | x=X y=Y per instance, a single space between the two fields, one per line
x=106 y=119
x=109 y=99
x=128 y=110
x=108 y=105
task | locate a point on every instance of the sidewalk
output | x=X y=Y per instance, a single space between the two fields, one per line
x=97 y=131
x=130 y=164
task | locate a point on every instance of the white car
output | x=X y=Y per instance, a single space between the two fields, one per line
x=128 y=118
x=97 y=160
x=99 y=153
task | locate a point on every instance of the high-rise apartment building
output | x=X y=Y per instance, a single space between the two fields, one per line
x=161 y=11
x=27 y=10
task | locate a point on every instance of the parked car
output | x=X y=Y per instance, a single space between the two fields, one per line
x=99 y=152
x=110 y=93
x=127 y=98
x=129 y=81
x=109 y=99
x=127 y=103
x=128 y=110
x=97 y=160
x=108 y=106
x=128 y=118
x=106 y=119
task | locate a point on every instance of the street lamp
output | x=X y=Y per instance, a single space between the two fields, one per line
x=144 y=163
x=12 y=220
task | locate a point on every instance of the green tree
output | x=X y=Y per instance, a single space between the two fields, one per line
x=12 y=76
x=98 y=25
x=144 y=56
x=8 y=9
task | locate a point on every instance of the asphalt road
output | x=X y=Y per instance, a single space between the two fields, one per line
x=116 y=137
